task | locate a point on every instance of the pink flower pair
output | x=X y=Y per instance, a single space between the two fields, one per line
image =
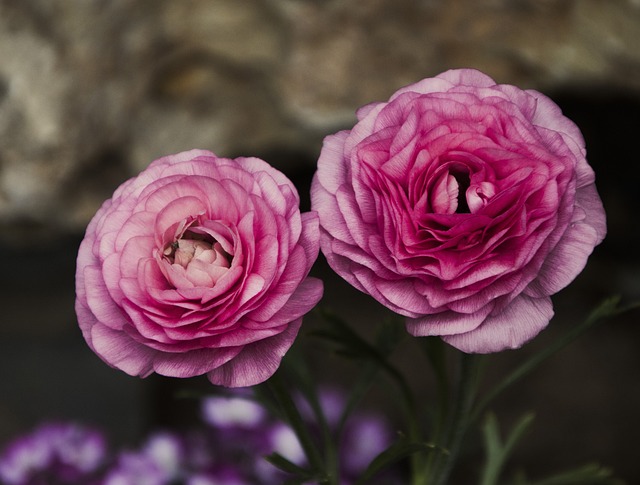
x=460 y=203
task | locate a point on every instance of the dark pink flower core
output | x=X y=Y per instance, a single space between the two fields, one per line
x=461 y=204
x=198 y=266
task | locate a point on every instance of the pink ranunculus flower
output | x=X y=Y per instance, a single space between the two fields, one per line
x=462 y=204
x=198 y=266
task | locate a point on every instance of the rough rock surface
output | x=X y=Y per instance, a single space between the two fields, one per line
x=92 y=91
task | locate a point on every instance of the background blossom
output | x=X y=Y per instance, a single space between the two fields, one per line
x=54 y=453
x=229 y=449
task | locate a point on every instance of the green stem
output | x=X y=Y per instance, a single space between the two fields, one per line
x=415 y=436
x=292 y=414
x=457 y=426
x=297 y=369
x=377 y=354
x=434 y=349
x=360 y=389
x=439 y=466
x=608 y=308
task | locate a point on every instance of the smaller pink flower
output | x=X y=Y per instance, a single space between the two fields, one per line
x=198 y=266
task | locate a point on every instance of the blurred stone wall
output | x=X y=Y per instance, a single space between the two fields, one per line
x=91 y=91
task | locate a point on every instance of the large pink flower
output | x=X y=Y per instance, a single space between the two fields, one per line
x=198 y=266
x=463 y=205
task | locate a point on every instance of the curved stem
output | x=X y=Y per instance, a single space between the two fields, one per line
x=297 y=369
x=609 y=308
x=457 y=426
x=292 y=414
x=434 y=350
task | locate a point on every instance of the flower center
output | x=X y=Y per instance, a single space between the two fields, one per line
x=462 y=179
x=448 y=193
x=197 y=253
x=192 y=246
x=456 y=190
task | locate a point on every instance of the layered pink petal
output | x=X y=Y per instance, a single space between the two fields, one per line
x=99 y=301
x=512 y=327
x=565 y=261
x=256 y=362
x=194 y=362
x=119 y=350
x=447 y=323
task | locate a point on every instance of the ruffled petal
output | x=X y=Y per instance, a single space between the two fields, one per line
x=512 y=327
x=256 y=362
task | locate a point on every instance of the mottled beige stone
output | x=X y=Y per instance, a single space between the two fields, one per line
x=93 y=91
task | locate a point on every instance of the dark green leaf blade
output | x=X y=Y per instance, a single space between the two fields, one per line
x=396 y=452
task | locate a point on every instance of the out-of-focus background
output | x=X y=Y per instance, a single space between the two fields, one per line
x=91 y=91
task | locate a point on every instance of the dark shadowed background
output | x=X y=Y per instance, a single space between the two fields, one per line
x=92 y=91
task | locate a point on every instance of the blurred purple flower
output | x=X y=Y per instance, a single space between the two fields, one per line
x=230 y=450
x=285 y=442
x=224 y=476
x=135 y=468
x=364 y=438
x=53 y=453
x=279 y=438
x=232 y=412
x=158 y=462
x=332 y=403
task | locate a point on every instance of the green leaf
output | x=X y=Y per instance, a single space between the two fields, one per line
x=518 y=432
x=396 y=452
x=591 y=474
x=338 y=331
x=497 y=452
x=352 y=345
x=355 y=346
x=282 y=463
x=492 y=441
